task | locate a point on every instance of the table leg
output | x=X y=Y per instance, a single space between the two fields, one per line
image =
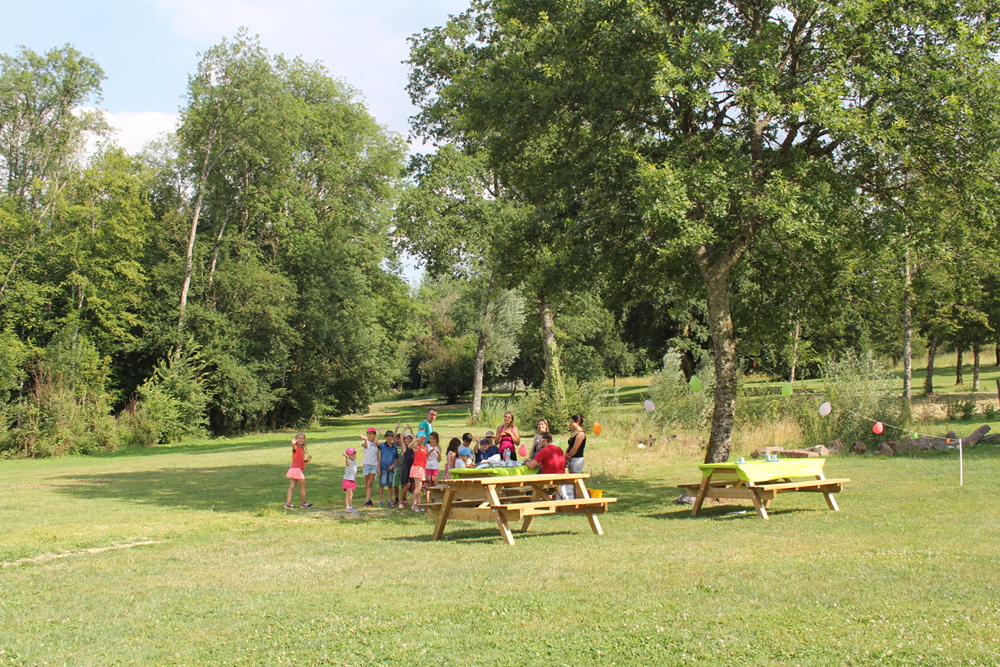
x=761 y=511
x=537 y=494
x=580 y=489
x=830 y=501
x=494 y=498
x=449 y=497
x=702 y=490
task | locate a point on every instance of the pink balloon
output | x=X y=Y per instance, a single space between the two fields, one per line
x=877 y=428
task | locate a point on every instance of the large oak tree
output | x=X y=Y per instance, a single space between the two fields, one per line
x=686 y=131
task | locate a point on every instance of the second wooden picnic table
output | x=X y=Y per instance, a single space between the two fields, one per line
x=505 y=498
x=761 y=481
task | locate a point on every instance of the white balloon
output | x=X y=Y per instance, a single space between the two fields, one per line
x=649 y=406
x=825 y=408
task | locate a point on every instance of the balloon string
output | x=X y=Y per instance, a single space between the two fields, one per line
x=874 y=421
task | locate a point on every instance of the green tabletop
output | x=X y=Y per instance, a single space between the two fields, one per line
x=493 y=472
x=763 y=471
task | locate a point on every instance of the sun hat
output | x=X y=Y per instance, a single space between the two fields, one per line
x=389 y=432
x=489 y=434
x=484 y=441
x=351 y=450
x=464 y=451
x=372 y=429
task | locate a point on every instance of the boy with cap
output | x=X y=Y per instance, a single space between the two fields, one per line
x=388 y=455
x=369 y=463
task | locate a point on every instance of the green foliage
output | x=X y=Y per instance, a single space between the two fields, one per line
x=676 y=405
x=961 y=409
x=449 y=368
x=65 y=408
x=862 y=391
x=171 y=403
x=989 y=412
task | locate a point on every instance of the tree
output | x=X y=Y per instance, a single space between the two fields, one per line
x=452 y=219
x=668 y=130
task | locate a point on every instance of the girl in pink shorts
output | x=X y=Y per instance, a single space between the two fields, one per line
x=350 y=474
x=417 y=470
x=296 y=473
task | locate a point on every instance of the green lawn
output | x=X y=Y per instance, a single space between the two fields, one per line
x=182 y=555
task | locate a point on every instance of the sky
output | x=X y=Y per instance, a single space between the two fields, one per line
x=148 y=48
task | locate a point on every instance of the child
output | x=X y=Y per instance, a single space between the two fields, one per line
x=350 y=473
x=433 y=461
x=407 y=462
x=451 y=457
x=369 y=463
x=417 y=470
x=296 y=473
x=388 y=456
x=465 y=458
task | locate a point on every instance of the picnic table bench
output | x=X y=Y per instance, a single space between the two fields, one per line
x=503 y=499
x=761 y=481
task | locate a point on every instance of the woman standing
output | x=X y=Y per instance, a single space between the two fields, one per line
x=574 y=451
x=508 y=437
x=540 y=428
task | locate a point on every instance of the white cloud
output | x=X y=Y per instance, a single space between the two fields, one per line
x=363 y=43
x=134 y=129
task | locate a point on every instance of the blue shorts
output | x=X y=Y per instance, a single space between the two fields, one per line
x=385 y=478
x=369 y=470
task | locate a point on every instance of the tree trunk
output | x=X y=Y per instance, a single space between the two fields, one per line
x=552 y=385
x=958 y=367
x=975 y=367
x=907 y=332
x=480 y=365
x=720 y=325
x=795 y=351
x=189 y=255
x=215 y=252
x=996 y=351
x=931 y=353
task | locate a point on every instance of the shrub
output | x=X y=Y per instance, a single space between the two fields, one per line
x=676 y=405
x=862 y=391
x=66 y=408
x=171 y=404
x=989 y=412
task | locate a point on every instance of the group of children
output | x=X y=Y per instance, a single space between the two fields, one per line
x=405 y=462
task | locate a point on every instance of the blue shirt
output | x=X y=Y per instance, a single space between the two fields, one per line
x=486 y=453
x=389 y=454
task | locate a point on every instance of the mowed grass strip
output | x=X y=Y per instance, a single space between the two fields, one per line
x=182 y=555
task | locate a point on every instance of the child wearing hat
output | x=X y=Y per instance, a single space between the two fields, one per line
x=350 y=473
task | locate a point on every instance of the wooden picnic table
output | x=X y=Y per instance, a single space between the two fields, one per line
x=761 y=481
x=503 y=499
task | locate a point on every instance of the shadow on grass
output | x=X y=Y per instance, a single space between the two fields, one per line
x=215 y=488
x=489 y=533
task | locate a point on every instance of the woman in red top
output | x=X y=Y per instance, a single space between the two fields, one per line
x=417 y=470
x=508 y=437
x=296 y=473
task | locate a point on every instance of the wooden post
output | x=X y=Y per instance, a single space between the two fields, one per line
x=998 y=391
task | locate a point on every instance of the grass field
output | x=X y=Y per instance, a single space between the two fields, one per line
x=182 y=555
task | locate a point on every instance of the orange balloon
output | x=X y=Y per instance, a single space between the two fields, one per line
x=598 y=428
